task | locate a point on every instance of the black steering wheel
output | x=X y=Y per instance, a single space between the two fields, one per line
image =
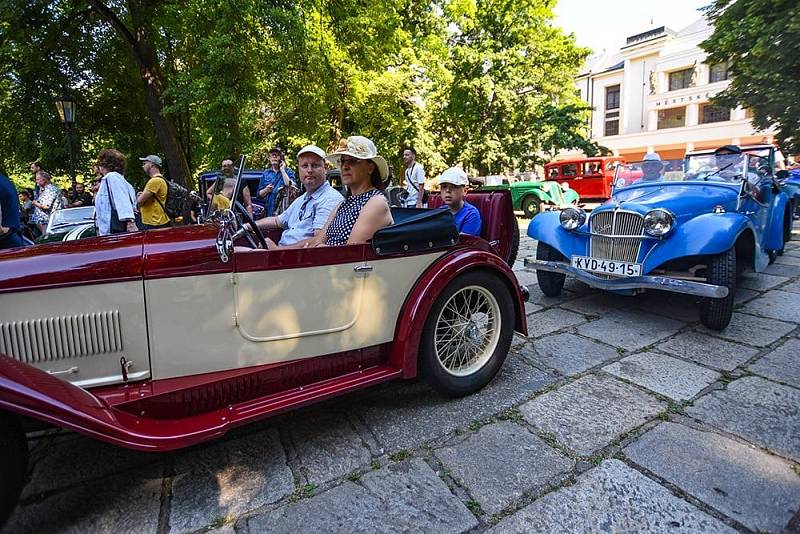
x=253 y=227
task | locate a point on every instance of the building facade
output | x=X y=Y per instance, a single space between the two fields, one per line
x=653 y=96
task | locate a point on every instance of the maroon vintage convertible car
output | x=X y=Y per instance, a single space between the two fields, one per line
x=164 y=339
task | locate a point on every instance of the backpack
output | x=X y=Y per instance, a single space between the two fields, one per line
x=177 y=202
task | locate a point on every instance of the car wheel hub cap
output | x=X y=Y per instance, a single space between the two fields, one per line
x=467 y=331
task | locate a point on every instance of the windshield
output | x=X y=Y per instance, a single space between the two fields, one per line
x=71 y=217
x=726 y=167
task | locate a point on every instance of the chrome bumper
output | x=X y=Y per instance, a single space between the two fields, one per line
x=663 y=283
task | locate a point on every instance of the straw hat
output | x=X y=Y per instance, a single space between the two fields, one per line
x=359 y=147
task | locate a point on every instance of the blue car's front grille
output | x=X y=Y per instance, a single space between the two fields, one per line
x=616 y=223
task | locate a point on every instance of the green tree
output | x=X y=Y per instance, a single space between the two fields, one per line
x=760 y=40
x=511 y=88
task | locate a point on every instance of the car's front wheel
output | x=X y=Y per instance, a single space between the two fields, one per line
x=721 y=271
x=13 y=463
x=531 y=206
x=550 y=283
x=467 y=334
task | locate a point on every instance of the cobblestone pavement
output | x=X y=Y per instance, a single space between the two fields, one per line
x=616 y=414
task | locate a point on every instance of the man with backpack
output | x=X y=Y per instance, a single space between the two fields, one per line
x=152 y=199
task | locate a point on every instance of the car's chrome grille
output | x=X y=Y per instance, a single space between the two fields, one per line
x=616 y=223
x=58 y=338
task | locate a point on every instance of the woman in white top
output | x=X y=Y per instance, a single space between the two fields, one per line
x=114 y=193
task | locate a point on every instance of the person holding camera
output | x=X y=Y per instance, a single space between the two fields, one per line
x=274 y=179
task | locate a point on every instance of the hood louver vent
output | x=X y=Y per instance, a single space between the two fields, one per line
x=59 y=338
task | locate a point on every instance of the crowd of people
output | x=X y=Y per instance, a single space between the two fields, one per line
x=308 y=209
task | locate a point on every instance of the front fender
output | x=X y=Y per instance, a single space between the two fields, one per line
x=706 y=234
x=773 y=236
x=546 y=227
x=408 y=331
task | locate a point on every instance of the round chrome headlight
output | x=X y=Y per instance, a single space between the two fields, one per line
x=658 y=222
x=572 y=218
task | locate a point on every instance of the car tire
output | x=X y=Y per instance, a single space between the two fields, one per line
x=721 y=271
x=488 y=332
x=13 y=463
x=550 y=283
x=531 y=206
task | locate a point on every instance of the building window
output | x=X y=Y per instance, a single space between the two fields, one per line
x=680 y=79
x=612 y=127
x=612 y=97
x=709 y=113
x=671 y=118
x=718 y=72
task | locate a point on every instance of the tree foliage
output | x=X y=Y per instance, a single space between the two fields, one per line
x=760 y=40
x=483 y=83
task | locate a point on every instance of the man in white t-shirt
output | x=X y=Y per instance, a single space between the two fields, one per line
x=414 y=179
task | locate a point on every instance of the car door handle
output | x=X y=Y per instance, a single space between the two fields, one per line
x=70 y=371
x=362 y=268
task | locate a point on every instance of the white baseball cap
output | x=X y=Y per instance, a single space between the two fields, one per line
x=455 y=176
x=312 y=149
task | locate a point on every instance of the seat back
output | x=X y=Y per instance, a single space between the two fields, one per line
x=497 y=214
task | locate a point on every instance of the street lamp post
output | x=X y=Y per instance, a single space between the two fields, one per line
x=65 y=105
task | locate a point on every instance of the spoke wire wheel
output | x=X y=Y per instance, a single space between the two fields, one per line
x=467 y=331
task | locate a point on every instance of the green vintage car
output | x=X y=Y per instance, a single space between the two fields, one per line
x=533 y=197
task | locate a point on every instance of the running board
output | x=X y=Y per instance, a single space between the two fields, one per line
x=31 y=392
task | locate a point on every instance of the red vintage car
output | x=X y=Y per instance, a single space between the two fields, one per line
x=163 y=339
x=592 y=178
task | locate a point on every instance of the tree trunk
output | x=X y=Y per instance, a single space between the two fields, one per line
x=138 y=42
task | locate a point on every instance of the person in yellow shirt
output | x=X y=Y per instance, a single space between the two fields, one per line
x=151 y=201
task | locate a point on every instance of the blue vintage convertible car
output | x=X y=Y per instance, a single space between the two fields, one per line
x=790 y=183
x=692 y=235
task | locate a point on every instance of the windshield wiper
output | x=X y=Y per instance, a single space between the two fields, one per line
x=707 y=176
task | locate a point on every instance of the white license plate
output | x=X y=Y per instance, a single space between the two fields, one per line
x=599 y=265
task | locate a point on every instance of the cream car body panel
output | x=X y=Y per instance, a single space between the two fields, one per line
x=78 y=333
x=262 y=317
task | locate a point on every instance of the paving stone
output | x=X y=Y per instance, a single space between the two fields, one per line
x=228 y=479
x=788 y=260
x=684 y=308
x=752 y=330
x=537 y=297
x=676 y=379
x=502 y=461
x=518 y=341
x=794 y=287
x=611 y=498
x=743 y=295
x=782 y=364
x=760 y=281
x=530 y=307
x=327 y=445
x=780 y=269
x=589 y=413
x=408 y=414
x=569 y=354
x=630 y=329
x=755 y=488
x=598 y=303
x=126 y=502
x=526 y=277
x=708 y=350
x=549 y=321
x=70 y=459
x=760 y=411
x=780 y=305
x=397 y=498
